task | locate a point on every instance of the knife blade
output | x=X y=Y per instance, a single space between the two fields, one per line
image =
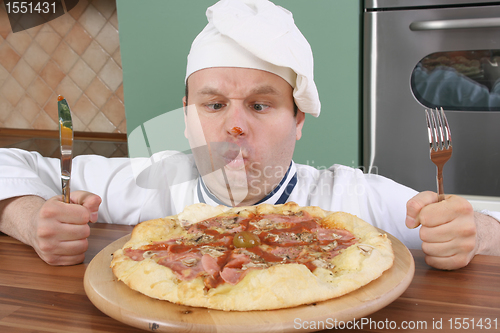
x=66 y=143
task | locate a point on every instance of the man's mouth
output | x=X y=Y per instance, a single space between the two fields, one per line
x=234 y=162
x=228 y=155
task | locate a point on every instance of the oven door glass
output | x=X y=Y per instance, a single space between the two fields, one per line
x=458 y=80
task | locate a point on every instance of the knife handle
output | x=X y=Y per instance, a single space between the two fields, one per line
x=65 y=188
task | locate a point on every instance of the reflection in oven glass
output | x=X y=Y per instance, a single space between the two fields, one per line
x=458 y=80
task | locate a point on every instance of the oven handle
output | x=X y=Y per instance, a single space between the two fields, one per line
x=493 y=22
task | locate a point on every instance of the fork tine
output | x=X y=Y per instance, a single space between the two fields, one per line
x=439 y=129
x=433 y=131
x=446 y=129
x=438 y=134
x=429 y=128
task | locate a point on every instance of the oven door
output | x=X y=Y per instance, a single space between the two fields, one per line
x=398 y=44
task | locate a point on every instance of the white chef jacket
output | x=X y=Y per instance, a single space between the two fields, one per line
x=139 y=189
x=135 y=190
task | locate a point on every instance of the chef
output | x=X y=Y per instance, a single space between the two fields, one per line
x=249 y=84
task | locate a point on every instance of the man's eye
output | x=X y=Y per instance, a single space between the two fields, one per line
x=215 y=106
x=260 y=107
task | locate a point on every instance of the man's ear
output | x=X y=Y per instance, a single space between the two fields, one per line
x=300 y=118
x=184 y=107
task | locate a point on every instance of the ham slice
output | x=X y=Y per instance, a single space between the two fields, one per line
x=289 y=252
x=138 y=254
x=232 y=272
x=232 y=275
x=333 y=234
x=210 y=265
x=277 y=218
x=186 y=266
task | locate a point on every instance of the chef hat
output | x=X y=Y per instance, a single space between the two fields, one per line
x=257 y=34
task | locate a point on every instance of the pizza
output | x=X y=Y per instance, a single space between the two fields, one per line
x=252 y=258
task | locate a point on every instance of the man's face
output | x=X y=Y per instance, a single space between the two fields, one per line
x=246 y=117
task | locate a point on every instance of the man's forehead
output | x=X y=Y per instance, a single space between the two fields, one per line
x=212 y=80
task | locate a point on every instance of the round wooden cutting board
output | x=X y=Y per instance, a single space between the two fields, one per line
x=118 y=301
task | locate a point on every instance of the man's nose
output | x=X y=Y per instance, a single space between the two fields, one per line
x=236 y=122
x=237 y=131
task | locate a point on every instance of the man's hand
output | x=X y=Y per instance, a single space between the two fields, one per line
x=448 y=229
x=56 y=230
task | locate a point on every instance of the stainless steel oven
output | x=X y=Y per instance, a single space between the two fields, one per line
x=433 y=53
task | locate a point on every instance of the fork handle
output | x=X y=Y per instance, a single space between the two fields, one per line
x=65 y=189
x=440 y=184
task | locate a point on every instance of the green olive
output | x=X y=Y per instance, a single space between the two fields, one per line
x=246 y=239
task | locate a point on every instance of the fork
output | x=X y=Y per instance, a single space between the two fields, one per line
x=440 y=143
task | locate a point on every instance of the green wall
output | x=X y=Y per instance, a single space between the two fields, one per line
x=155 y=37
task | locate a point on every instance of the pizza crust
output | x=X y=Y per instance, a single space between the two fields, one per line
x=260 y=289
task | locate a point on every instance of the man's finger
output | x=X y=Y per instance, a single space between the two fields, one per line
x=437 y=213
x=73 y=247
x=457 y=229
x=63 y=212
x=69 y=247
x=56 y=209
x=415 y=205
x=62 y=260
x=448 y=249
x=448 y=263
x=85 y=198
x=89 y=200
x=448 y=210
x=70 y=232
x=439 y=250
x=51 y=236
x=439 y=234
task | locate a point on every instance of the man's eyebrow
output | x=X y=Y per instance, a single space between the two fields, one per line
x=262 y=90
x=209 y=91
x=265 y=90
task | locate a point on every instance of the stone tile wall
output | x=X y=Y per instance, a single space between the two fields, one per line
x=76 y=55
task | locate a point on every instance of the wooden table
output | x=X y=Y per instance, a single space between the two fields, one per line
x=36 y=297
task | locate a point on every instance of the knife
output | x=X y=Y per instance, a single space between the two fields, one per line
x=66 y=140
